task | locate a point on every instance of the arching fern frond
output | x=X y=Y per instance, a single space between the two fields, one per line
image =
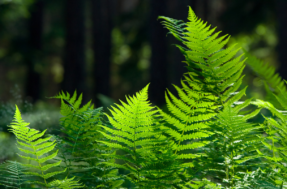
x=211 y=84
x=65 y=184
x=135 y=135
x=70 y=104
x=212 y=69
x=234 y=146
x=35 y=149
x=11 y=175
x=188 y=123
x=267 y=73
x=256 y=180
x=275 y=151
x=79 y=150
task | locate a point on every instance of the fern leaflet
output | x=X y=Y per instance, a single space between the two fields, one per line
x=79 y=149
x=144 y=151
x=35 y=149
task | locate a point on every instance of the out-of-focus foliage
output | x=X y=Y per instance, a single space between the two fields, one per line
x=41 y=115
x=13 y=9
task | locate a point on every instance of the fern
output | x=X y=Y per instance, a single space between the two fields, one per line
x=213 y=78
x=144 y=151
x=209 y=86
x=275 y=151
x=65 y=184
x=31 y=144
x=214 y=73
x=256 y=180
x=80 y=151
x=267 y=73
x=34 y=148
x=11 y=174
x=272 y=81
x=235 y=145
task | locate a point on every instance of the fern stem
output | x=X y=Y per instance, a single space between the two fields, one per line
x=38 y=162
x=136 y=111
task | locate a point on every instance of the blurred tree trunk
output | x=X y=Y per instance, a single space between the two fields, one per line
x=193 y=3
x=74 y=52
x=102 y=26
x=33 y=57
x=179 y=11
x=200 y=7
x=158 y=41
x=282 y=35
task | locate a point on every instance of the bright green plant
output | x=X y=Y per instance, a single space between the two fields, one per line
x=12 y=174
x=207 y=99
x=136 y=134
x=205 y=140
x=36 y=150
x=275 y=152
x=80 y=150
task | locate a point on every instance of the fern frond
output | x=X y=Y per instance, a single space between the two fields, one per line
x=235 y=144
x=11 y=175
x=35 y=149
x=213 y=71
x=267 y=73
x=256 y=180
x=65 y=184
x=79 y=150
x=146 y=154
x=275 y=151
x=210 y=85
x=72 y=104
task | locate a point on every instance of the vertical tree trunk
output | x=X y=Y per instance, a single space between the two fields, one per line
x=74 y=57
x=158 y=40
x=200 y=7
x=282 y=36
x=179 y=11
x=35 y=24
x=193 y=3
x=102 y=26
x=205 y=4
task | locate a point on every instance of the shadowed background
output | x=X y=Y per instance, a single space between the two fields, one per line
x=109 y=48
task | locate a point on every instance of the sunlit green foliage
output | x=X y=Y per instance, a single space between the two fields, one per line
x=204 y=134
x=151 y=165
x=80 y=150
x=35 y=149
x=209 y=99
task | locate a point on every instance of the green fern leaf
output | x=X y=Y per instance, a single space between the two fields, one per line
x=209 y=87
x=235 y=145
x=30 y=143
x=275 y=151
x=267 y=73
x=214 y=72
x=65 y=184
x=11 y=175
x=79 y=150
x=145 y=152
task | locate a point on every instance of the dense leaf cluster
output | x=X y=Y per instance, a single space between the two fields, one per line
x=204 y=140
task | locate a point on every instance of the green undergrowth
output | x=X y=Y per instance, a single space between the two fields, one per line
x=206 y=138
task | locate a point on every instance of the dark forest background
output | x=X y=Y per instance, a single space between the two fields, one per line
x=109 y=48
